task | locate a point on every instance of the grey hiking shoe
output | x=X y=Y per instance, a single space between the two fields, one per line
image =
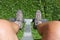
x=19 y=18
x=37 y=19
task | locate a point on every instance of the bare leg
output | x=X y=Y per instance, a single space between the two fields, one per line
x=49 y=30
x=8 y=30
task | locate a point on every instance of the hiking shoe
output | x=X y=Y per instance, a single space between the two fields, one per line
x=19 y=18
x=37 y=19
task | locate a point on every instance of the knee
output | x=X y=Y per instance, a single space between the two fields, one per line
x=4 y=23
x=5 y=26
x=54 y=23
x=48 y=26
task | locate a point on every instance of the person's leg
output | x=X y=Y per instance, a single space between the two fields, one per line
x=8 y=30
x=49 y=30
x=15 y=27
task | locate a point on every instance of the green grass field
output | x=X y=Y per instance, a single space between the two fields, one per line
x=50 y=10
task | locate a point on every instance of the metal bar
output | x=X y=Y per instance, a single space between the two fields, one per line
x=27 y=30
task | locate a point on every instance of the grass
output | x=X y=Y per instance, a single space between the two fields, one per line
x=20 y=34
x=35 y=34
x=8 y=8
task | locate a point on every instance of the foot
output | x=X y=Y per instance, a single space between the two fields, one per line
x=19 y=18
x=37 y=19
